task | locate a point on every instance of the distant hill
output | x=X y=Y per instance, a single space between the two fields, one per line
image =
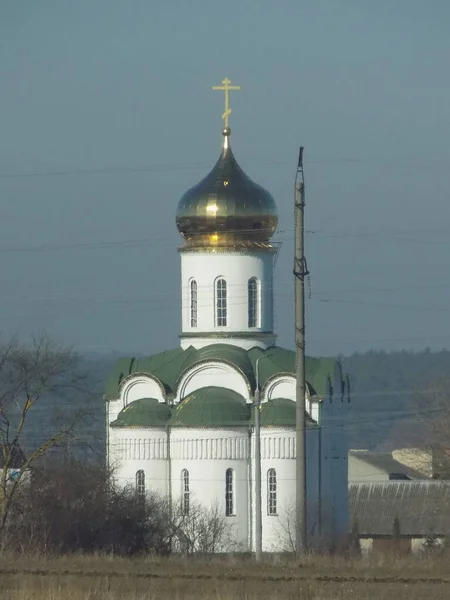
x=386 y=388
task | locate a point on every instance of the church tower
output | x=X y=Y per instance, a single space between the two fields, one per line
x=227 y=259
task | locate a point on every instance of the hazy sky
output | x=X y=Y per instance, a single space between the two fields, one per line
x=123 y=88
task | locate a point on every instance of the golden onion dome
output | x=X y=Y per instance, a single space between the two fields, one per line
x=227 y=208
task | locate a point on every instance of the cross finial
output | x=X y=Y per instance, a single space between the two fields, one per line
x=226 y=87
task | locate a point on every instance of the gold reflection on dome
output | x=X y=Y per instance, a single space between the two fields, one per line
x=227 y=209
x=212 y=209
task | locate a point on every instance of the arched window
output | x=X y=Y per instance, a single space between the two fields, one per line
x=271 y=492
x=193 y=302
x=221 y=303
x=253 y=303
x=229 y=493
x=140 y=483
x=185 y=491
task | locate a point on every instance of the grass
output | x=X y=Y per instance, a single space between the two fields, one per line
x=315 y=578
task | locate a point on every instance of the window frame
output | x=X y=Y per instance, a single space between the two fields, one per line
x=253 y=303
x=193 y=303
x=272 y=499
x=140 y=483
x=221 y=302
x=229 y=493
x=185 y=491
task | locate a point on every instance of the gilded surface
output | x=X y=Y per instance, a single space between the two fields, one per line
x=226 y=87
x=227 y=209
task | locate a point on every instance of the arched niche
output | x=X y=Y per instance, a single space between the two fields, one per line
x=216 y=374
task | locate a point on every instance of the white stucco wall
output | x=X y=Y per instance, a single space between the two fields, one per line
x=140 y=386
x=207 y=454
x=278 y=452
x=131 y=450
x=284 y=387
x=236 y=268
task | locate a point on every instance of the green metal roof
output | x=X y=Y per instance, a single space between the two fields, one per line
x=276 y=360
x=168 y=367
x=207 y=407
x=280 y=412
x=212 y=407
x=233 y=355
x=146 y=412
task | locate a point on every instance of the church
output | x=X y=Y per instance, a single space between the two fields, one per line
x=180 y=423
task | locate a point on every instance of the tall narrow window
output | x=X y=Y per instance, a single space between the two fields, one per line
x=229 y=493
x=193 y=302
x=271 y=492
x=253 y=304
x=221 y=303
x=185 y=491
x=140 y=483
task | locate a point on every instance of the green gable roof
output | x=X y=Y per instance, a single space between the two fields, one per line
x=212 y=407
x=146 y=412
x=280 y=412
x=276 y=360
x=168 y=367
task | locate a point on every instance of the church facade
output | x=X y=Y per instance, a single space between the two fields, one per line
x=180 y=423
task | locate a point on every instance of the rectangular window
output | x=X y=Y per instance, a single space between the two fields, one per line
x=221 y=303
x=185 y=491
x=271 y=492
x=193 y=302
x=229 y=493
x=253 y=304
x=140 y=483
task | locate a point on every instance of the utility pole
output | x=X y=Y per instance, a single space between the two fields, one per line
x=258 y=515
x=300 y=272
x=258 y=487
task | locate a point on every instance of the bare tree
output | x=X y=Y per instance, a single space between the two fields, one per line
x=434 y=414
x=286 y=528
x=320 y=527
x=201 y=529
x=30 y=372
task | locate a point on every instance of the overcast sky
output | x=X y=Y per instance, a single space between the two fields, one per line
x=107 y=116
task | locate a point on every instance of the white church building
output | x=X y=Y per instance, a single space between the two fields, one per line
x=180 y=422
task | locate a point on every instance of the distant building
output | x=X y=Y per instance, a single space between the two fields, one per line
x=406 y=516
x=16 y=461
x=181 y=422
x=418 y=459
x=369 y=467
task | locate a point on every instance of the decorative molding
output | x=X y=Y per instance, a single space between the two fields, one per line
x=235 y=448
x=201 y=365
x=140 y=377
x=276 y=446
x=141 y=448
x=260 y=335
x=273 y=380
x=247 y=249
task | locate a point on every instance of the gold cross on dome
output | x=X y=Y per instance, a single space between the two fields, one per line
x=226 y=87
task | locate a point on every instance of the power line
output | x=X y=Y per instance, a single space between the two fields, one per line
x=162 y=241
x=121 y=169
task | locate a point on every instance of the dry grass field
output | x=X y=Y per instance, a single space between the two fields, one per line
x=316 y=578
